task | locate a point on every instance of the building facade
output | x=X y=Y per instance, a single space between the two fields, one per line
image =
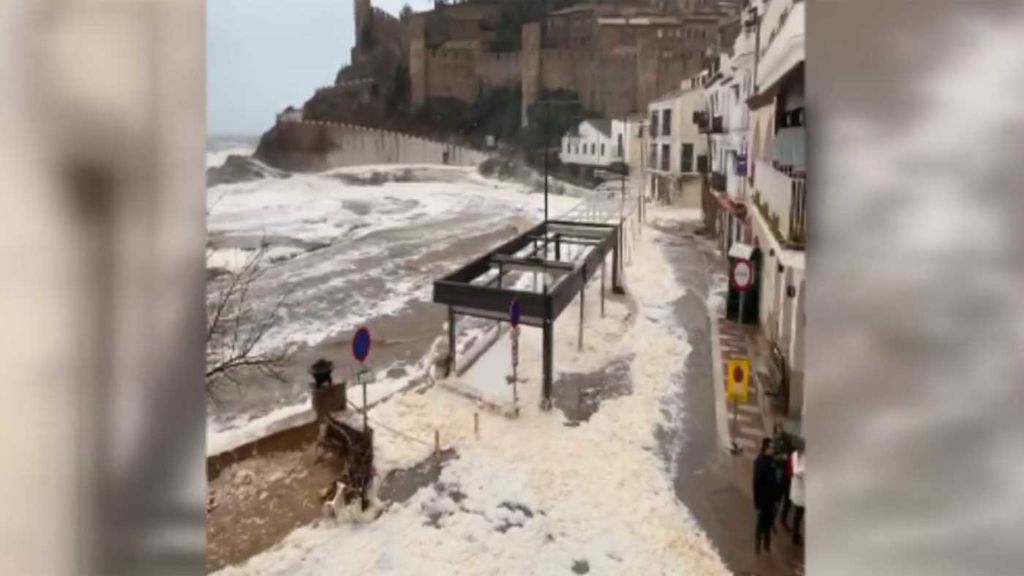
x=595 y=143
x=675 y=146
x=755 y=192
x=727 y=91
x=777 y=173
x=615 y=55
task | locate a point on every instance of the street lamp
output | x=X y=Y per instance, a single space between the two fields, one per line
x=547 y=122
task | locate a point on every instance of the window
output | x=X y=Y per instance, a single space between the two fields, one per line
x=666 y=119
x=602 y=149
x=686 y=158
x=654 y=123
x=618 y=150
x=652 y=156
x=665 y=155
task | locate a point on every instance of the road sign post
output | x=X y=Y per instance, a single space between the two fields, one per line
x=514 y=315
x=361 y=351
x=742 y=277
x=737 y=390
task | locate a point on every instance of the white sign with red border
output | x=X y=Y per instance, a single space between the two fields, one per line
x=742 y=275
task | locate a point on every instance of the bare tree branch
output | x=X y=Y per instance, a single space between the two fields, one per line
x=237 y=324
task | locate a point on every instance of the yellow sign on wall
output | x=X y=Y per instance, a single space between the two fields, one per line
x=738 y=379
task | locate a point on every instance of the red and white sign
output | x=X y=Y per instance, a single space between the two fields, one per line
x=742 y=275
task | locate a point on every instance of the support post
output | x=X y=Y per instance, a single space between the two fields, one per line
x=366 y=409
x=545 y=402
x=451 y=340
x=602 y=288
x=617 y=262
x=583 y=291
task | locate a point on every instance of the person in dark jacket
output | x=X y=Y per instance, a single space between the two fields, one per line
x=765 y=495
x=782 y=445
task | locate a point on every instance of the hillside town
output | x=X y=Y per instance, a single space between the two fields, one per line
x=576 y=231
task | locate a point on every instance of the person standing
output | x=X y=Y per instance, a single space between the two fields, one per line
x=781 y=448
x=797 y=492
x=764 y=497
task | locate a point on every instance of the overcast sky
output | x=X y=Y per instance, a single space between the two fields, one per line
x=263 y=55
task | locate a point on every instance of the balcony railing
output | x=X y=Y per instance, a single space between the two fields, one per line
x=784 y=198
x=718 y=181
x=798 y=211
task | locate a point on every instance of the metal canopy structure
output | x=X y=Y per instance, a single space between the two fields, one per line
x=565 y=254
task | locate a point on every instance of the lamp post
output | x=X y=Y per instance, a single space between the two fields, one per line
x=547 y=122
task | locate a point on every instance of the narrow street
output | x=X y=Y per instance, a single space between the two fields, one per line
x=713 y=485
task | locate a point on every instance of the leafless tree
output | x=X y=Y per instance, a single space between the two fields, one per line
x=236 y=324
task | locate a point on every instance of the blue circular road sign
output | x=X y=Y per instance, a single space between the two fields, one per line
x=514 y=312
x=361 y=344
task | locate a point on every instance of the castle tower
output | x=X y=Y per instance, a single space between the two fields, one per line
x=417 y=36
x=529 y=61
x=364 y=15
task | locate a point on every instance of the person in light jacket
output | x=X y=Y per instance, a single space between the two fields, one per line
x=796 y=491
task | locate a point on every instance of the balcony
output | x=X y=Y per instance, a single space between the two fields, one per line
x=717 y=126
x=718 y=181
x=798 y=211
x=783 y=201
x=700 y=119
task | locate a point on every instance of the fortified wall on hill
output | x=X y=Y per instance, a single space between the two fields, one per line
x=615 y=55
x=313 y=146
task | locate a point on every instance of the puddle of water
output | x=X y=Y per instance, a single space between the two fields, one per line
x=580 y=566
x=400 y=485
x=579 y=395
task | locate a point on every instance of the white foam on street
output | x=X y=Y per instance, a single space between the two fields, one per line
x=597 y=493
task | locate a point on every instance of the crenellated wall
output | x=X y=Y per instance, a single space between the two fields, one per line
x=312 y=146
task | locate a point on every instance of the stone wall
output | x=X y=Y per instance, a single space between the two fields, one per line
x=498 y=69
x=416 y=29
x=530 y=68
x=452 y=73
x=311 y=146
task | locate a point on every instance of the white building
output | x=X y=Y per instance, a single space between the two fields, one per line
x=777 y=193
x=728 y=85
x=597 y=143
x=675 y=145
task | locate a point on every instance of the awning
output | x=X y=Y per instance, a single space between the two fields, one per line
x=735 y=208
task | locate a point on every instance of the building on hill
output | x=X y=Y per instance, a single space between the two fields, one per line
x=616 y=55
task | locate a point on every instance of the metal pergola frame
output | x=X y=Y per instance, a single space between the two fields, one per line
x=531 y=251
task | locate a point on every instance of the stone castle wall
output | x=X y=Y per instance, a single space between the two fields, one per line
x=614 y=69
x=311 y=146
